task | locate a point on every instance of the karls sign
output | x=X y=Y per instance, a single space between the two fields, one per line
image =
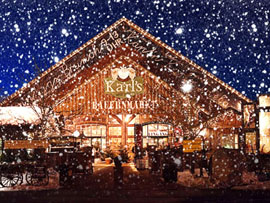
x=123 y=83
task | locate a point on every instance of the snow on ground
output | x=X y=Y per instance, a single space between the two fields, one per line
x=256 y=186
x=185 y=178
x=249 y=181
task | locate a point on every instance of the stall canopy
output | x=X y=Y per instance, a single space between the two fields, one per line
x=15 y=115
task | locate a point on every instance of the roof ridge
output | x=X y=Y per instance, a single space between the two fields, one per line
x=155 y=39
x=144 y=33
x=56 y=65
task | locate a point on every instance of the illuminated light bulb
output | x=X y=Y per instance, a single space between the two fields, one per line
x=76 y=133
x=187 y=87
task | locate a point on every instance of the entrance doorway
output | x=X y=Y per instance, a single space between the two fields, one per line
x=121 y=130
x=115 y=137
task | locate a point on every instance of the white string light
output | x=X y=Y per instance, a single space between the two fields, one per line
x=187 y=87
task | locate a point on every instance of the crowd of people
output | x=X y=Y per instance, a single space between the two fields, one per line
x=166 y=161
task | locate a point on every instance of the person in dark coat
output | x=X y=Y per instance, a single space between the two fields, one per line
x=137 y=150
x=166 y=170
x=155 y=162
x=118 y=161
x=169 y=167
x=203 y=162
x=118 y=170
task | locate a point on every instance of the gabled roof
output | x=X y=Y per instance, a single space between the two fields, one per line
x=124 y=37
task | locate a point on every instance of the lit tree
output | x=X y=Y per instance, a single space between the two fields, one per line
x=34 y=95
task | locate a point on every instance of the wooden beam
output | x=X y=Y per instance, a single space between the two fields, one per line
x=131 y=118
x=123 y=130
x=117 y=118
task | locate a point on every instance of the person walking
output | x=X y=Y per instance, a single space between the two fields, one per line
x=118 y=171
x=203 y=162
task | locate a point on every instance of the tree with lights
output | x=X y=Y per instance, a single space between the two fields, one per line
x=38 y=98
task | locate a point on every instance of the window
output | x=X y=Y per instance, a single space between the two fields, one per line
x=115 y=131
x=250 y=142
x=158 y=134
x=94 y=130
x=130 y=131
x=229 y=141
x=95 y=134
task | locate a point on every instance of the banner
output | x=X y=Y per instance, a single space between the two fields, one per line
x=138 y=134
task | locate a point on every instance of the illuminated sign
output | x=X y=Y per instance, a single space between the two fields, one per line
x=125 y=104
x=192 y=145
x=123 y=83
x=158 y=133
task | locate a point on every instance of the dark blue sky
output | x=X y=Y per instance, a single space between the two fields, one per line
x=229 y=38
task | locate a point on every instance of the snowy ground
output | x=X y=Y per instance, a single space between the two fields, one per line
x=185 y=178
x=249 y=181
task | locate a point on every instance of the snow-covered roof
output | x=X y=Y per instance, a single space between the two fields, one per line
x=17 y=115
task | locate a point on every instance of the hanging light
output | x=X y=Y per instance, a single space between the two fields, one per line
x=187 y=87
x=76 y=133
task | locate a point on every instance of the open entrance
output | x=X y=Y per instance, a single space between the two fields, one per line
x=121 y=130
x=118 y=131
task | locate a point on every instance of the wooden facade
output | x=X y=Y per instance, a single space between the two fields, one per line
x=79 y=87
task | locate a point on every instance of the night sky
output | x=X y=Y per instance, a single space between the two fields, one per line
x=229 y=38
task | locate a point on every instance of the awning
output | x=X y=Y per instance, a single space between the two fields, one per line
x=17 y=115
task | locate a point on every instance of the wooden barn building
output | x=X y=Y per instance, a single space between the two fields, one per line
x=126 y=86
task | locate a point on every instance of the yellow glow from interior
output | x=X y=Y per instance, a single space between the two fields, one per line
x=264 y=120
x=264 y=100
